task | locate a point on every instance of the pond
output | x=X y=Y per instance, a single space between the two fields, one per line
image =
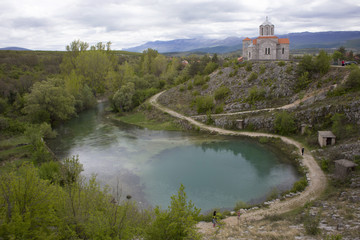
x=216 y=171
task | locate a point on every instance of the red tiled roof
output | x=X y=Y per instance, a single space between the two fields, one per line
x=247 y=39
x=255 y=41
x=283 y=41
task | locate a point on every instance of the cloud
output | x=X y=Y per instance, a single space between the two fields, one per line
x=43 y=24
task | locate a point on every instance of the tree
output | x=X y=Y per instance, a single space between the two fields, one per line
x=49 y=101
x=122 y=99
x=306 y=65
x=284 y=123
x=94 y=67
x=178 y=222
x=337 y=56
x=322 y=62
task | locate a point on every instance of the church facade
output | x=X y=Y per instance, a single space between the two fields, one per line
x=267 y=46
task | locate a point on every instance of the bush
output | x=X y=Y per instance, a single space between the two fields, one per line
x=353 y=81
x=311 y=224
x=262 y=69
x=204 y=104
x=253 y=76
x=302 y=82
x=248 y=66
x=284 y=123
x=281 y=63
x=255 y=95
x=182 y=88
x=221 y=93
x=219 y=109
x=300 y=185
x=199 y=80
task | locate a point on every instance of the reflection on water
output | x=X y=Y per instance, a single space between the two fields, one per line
x=150 y=165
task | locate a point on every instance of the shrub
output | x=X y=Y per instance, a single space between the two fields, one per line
x=284 y=123
x=221 y=93
x=248 y=66
x=300 y=185
x=262 y=69
x=255 y=95
x=199 y=80
x=204 y=104
x=210 y=67
x=281 y=63
x=353 y=81
x=325 y=165
x=302 y=82
x=253 y=76
x=311 y=224
x=289 y=69
x=189 y=86
x=205 y=86
x=219 y=109
x=182 y=88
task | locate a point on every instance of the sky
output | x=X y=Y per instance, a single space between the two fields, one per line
x=51 y=25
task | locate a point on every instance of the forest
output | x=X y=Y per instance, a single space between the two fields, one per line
x=43 y=198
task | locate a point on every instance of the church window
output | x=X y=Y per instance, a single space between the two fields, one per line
x=249 y=55
x=269 y=51
x=283 y=50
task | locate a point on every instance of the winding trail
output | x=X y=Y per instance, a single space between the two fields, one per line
x=316 y=186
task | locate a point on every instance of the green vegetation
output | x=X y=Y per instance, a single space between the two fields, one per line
x=255 y=94
x=253 y=76
x=284 y=123
x=140 y=119
x=177 y=222
x=221 y=93
x=204 y=103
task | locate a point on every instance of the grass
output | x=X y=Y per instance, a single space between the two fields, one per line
x=141 y=120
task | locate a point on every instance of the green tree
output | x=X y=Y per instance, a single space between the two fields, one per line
x=122 y=99
x=178 y=222
x=94 y=66
x=322 y=62
x=353 y=81
x=49 y=101
x=306 y=65
x=28 y=205
x=337 y=56
x=284 y=123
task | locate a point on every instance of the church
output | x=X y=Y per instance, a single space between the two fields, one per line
x=267 y=46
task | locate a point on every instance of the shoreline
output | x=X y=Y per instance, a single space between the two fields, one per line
x=316 y=184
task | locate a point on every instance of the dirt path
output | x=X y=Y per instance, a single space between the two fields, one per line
x=316 y=186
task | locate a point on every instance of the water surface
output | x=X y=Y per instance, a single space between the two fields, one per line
x=150 y=165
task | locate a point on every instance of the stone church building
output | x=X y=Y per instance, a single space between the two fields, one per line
x=267 y=46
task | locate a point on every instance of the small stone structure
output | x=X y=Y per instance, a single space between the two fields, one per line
x=304 y=126
x=240 y=124
x=326 y=138
x=343 y=168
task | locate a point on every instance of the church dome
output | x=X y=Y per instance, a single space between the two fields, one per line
x=267 y=22
x=267 y=28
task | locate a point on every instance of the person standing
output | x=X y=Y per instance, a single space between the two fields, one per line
x=302 y=151
x=342 y=63
x=214 y=219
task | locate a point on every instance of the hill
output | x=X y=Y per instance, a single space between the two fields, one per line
x=332 y=39
x=15 y=49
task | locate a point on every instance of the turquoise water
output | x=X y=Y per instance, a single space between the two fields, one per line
x=150 y=165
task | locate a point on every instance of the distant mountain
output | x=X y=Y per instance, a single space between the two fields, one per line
x=297 y=41
x=15 y=49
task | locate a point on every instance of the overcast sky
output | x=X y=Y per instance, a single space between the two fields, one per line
x=51 y=25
